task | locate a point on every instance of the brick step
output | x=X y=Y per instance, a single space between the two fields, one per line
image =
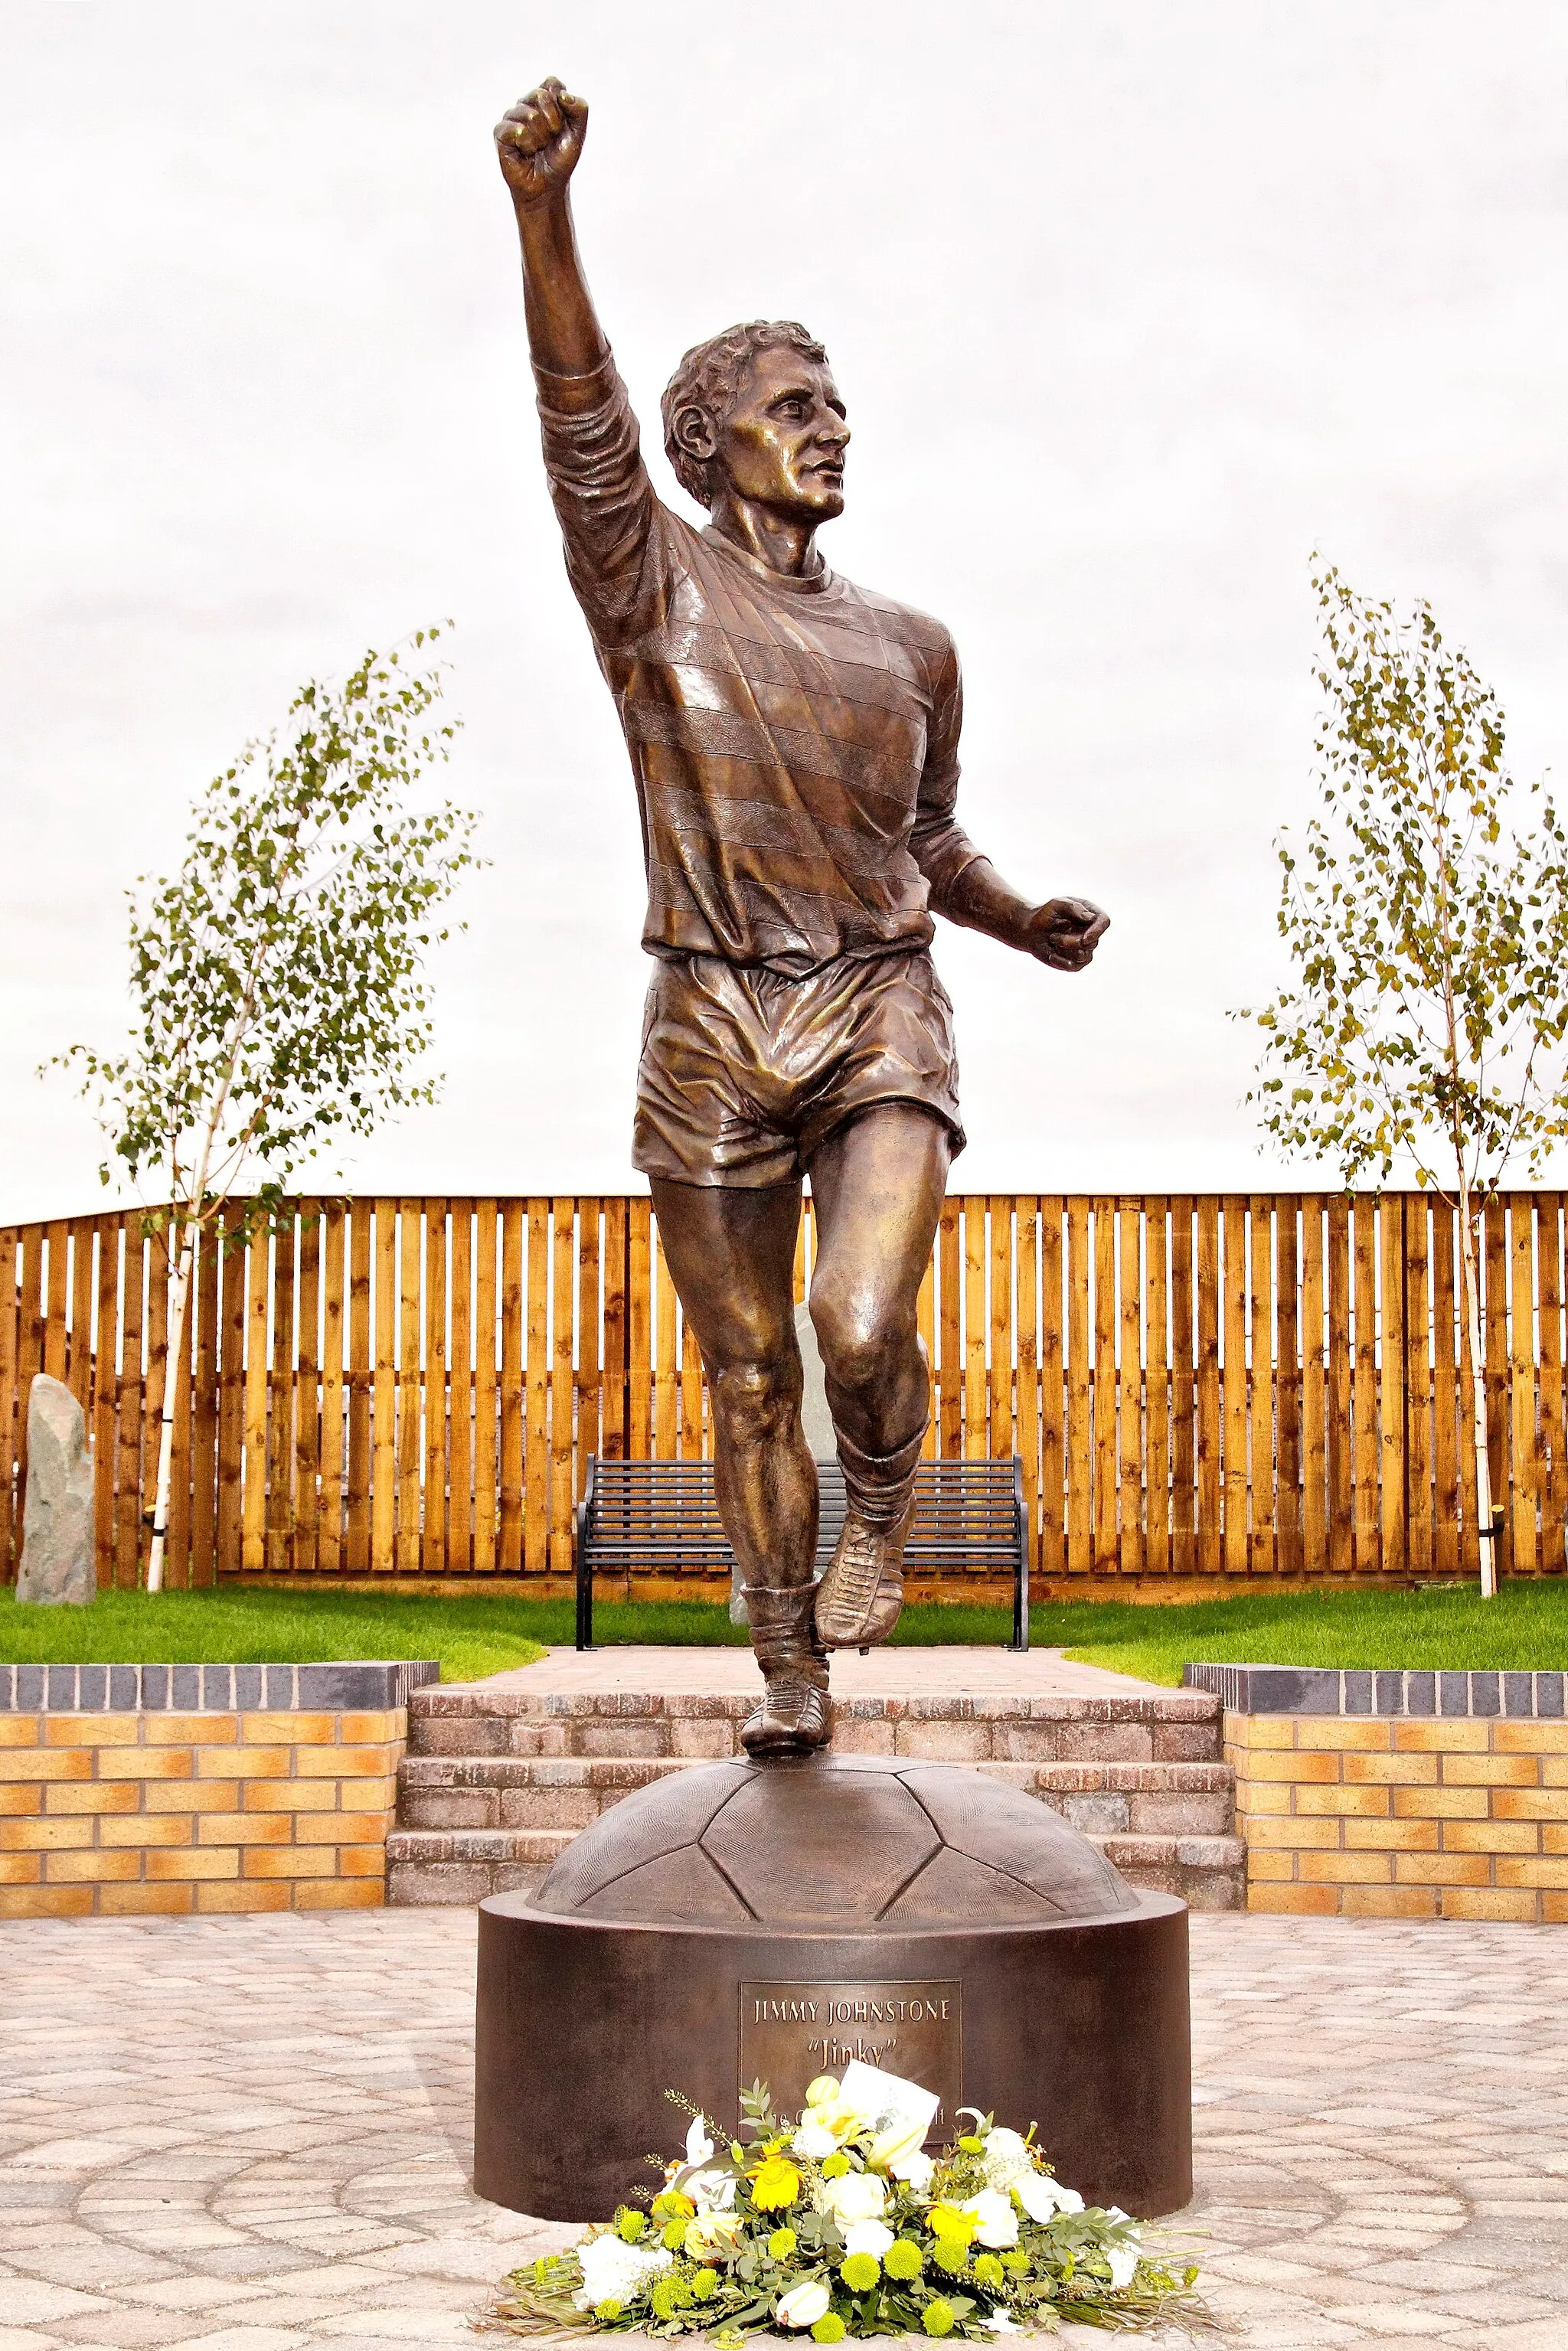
x=1167 y=1727
x=518 y=1791
x=504 y=1792
x=430 y=1866
x=1209 y=1873
x=462 y=1865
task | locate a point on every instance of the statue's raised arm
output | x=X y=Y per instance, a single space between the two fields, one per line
x=593 y=458
x=539 y=141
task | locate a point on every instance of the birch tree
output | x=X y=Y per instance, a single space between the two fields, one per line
x=1425 y=911
x=278 y=977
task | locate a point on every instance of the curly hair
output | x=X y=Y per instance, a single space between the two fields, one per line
x=709 y=378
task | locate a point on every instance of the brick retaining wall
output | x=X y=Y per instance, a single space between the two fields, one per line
x=131 y=1812
x=1401 y=1817
x=144 y=1809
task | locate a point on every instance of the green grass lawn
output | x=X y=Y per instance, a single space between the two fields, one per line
x=1440 y=1626
x=244 y=1628
x=1446 y=1625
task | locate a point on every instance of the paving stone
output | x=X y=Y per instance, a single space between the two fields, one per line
x=250 y=2338
x=133 y=2330
x=192 y=2293
x=398 y=2325
x=90 y=2264
x=28 y=2299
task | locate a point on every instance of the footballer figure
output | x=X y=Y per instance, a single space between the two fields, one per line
x=794 y=742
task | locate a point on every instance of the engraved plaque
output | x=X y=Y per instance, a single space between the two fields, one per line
x=789 y=2032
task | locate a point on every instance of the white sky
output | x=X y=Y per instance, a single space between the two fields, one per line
x=1134 y=307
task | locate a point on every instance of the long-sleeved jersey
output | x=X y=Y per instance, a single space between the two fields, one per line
x=794 y=740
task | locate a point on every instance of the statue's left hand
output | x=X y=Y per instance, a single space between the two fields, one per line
x=1065 y=932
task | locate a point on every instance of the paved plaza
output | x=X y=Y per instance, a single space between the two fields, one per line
x=253 y=2133
x=955 y=1670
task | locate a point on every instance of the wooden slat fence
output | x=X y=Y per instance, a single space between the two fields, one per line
x=1214 y=1386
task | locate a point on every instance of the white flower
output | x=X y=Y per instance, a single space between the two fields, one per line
x=996 y=2222
x=1043 y=2198
x=1007 y=2159
x=613 y=2271
x=1123 y=2260
x=914 y=2167
x=813 y=2140
x=857 y=2196
x=712 y=2192
x=712 y=2236
x=872 y=2237
x=1001 y=2322
x=699 y=2146
x=897 y=2113
x=803 y=2304
x=899 y=2139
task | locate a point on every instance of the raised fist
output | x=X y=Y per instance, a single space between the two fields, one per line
x=1065 y=932
x=539 y=140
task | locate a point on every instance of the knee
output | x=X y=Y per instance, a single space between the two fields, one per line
x=754 y=1402
x=861 y=1348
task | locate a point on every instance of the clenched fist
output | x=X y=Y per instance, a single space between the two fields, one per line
x=539 y=141
x=1065 y=932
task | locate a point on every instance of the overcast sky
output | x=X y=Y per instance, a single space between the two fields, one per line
x=1133 y=308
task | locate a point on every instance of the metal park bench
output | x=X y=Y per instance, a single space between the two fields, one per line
x=652 y=1515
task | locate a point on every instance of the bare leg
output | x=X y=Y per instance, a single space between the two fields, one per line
x=878 y=1185
x=732 y=1254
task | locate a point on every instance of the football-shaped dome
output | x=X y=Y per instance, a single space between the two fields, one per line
x=832 y=1841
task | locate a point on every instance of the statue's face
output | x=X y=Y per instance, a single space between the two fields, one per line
x=783 y=443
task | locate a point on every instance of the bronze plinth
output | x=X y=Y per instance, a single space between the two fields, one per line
x=734 y=1919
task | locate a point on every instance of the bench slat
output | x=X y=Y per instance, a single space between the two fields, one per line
x=658 y=1513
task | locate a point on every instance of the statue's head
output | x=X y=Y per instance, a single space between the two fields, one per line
x=757 y=411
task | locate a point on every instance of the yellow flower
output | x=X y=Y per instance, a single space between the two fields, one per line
x=775 y=2184
x=947 y=2221
x=673 y=2206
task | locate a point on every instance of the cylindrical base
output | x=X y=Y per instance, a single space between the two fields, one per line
x=1080 y=2026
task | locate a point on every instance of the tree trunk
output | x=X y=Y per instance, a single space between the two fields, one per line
x=1488 y=1533
x=178 y=1298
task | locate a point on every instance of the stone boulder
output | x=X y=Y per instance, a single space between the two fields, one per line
x=56 y=1526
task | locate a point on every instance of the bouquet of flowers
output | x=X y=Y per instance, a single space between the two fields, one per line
x=840 y=2224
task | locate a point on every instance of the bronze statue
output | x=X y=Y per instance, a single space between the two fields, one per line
x=794 y=740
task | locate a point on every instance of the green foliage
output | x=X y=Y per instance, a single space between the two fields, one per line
x=278 y=977
x=1428 y=925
